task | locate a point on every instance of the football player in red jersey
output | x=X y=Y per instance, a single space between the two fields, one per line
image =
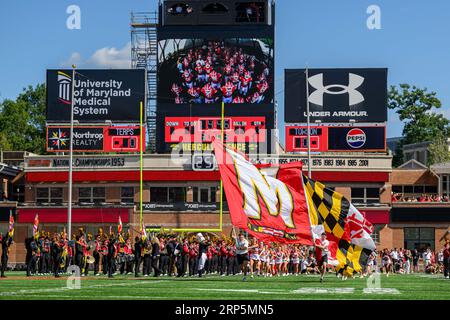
x=227 y=92
x=245 y=84
x=194 y=92
x=238 y=99
x=209 y=93
x=215 y=79
x=187 y=78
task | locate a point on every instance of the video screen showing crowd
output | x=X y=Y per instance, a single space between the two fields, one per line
x=233 y=71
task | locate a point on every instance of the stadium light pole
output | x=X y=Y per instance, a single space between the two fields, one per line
x=69 y=207
x=308 y=129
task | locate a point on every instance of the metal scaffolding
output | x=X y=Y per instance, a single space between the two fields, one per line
x=144 y=50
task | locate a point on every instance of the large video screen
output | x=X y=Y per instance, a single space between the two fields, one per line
x=205 y=71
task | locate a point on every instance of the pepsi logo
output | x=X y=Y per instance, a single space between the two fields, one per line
x=356 y=138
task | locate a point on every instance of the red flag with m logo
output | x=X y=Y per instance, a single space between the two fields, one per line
x=270 y=207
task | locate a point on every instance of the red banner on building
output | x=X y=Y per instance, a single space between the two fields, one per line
x=271 y=209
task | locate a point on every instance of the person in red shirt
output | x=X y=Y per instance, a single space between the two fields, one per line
x=223 y=253
x=215 y=258
x=192 y=259
x=447 y=260
x=230 y=260
x=184 y=258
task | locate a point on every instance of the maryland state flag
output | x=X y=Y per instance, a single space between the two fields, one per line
x=143 y=231
x=36 y=225
x=119 y=226
x=11 y=224
x=347 y=229
x=270 y=204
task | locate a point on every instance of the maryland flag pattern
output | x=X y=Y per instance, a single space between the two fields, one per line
x=347 y=230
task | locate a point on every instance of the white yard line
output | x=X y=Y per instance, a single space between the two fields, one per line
x=62 y=289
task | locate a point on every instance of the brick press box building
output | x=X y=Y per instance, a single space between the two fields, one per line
x=175 y=195
x=413 y=221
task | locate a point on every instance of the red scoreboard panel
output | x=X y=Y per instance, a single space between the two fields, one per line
x=94 y=139
x=203 y=129
x=336 y=138
x=123 y=139
x=297 y=138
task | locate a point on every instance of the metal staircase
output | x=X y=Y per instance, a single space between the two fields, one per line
x=144 y=50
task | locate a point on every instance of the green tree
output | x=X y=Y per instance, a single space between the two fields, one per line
x=22 y=122
x=415 y=108
x=438 y=151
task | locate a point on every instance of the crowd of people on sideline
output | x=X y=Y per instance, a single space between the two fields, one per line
x=405 y=261
x=398 y=197
x=197 y=255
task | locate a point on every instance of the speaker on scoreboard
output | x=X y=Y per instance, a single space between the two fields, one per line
x=224 y=12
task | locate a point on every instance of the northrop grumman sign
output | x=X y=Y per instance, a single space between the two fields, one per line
x=99 y=95
x=336 y=95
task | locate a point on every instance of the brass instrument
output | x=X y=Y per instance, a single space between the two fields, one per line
x=64 y=255
x=90 y=259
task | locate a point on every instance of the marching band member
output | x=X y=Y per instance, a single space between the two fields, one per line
x=34 y=255
x=202 y=249
x=223 y=254
x=128 y=249
x=104 y=254
x=97 y=255
x=79 y=252
x=192 y=259
x=138 y=253
x=231 y=258
x=86 y=254
x=56 y=252
x=121 y=253
x=6 y=242
x=111 y=256
x=155 y=256
x=184 y=258
x=147 y=255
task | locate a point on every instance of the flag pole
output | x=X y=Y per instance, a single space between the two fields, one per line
x=221 y=182
x=69 y=207
x=141 y=176
x=308 y=128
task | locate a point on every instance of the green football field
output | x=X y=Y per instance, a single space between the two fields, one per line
x=303 y=287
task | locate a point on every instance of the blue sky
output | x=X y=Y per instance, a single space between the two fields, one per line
x=413 y=42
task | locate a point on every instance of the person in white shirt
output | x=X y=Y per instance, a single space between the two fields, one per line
x=323 y=246
x=394 y=257
x=427 y=257
x=242 y=254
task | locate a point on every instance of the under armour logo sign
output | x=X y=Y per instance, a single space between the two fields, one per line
x=354 y=82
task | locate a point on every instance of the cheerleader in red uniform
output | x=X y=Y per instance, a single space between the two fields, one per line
x=253 y=250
